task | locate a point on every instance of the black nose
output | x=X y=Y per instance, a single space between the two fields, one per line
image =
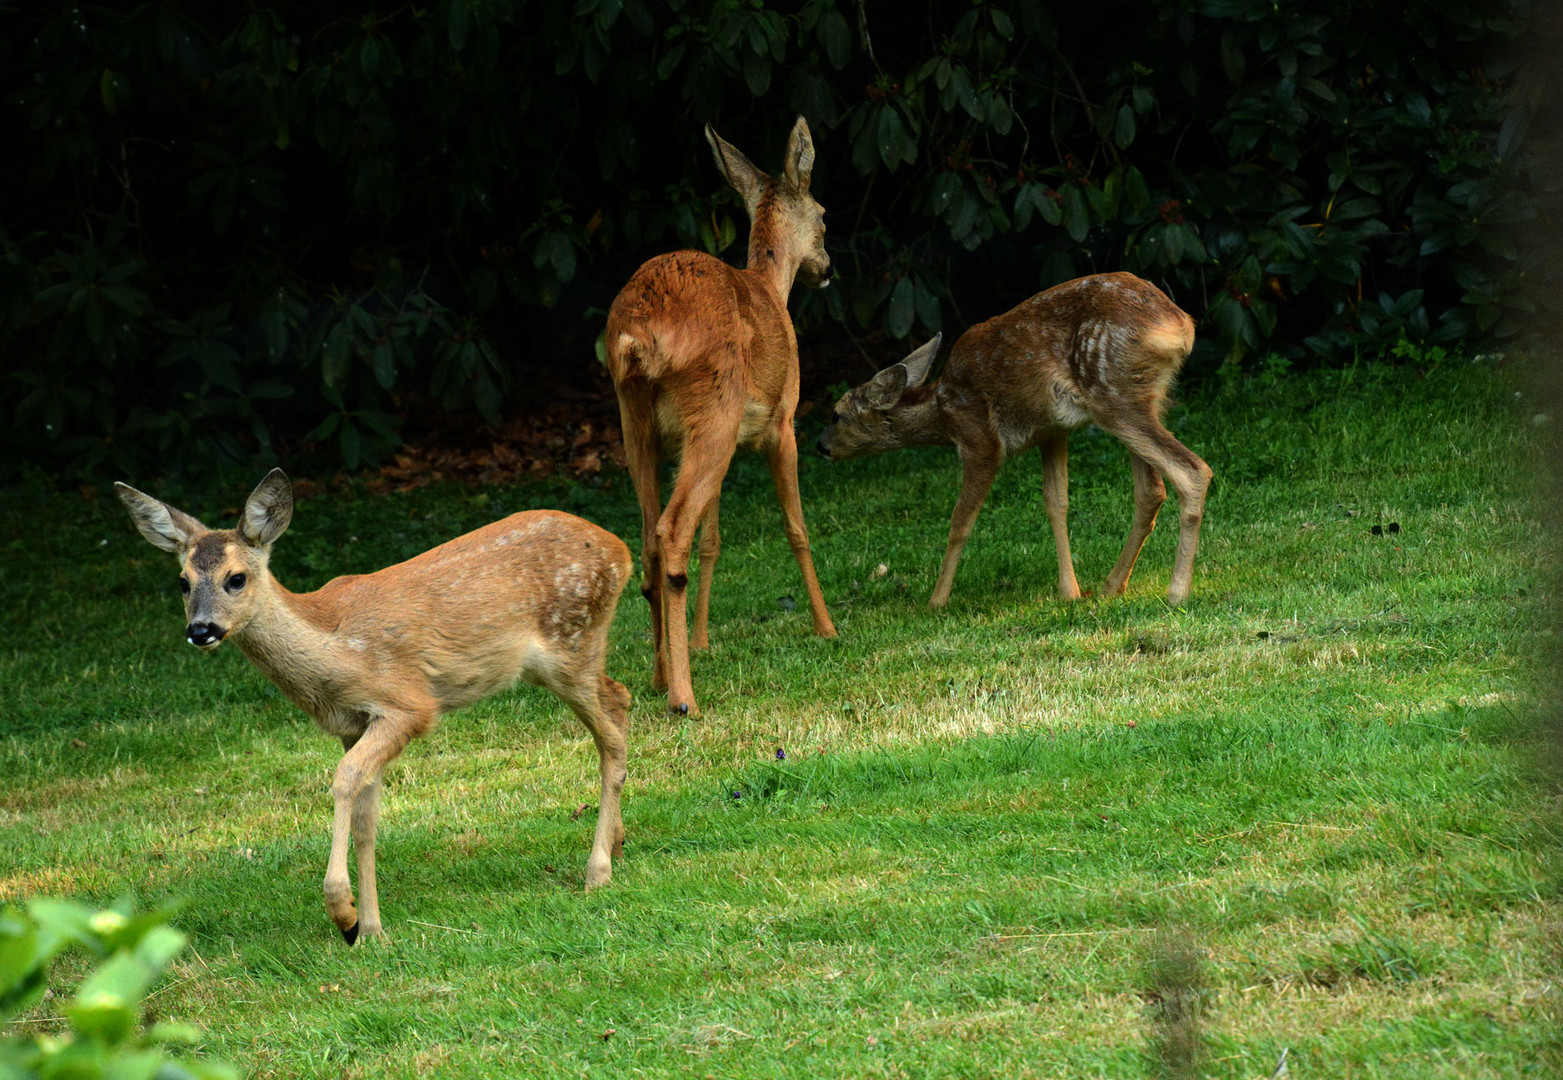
x=203 y=633
x=824 y=451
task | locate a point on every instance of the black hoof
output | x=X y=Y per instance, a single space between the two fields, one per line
x=350 y=935
x=681 y=710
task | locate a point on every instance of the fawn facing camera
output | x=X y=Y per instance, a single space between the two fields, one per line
x=377 y=658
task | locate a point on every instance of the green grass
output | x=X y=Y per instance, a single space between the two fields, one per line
x=969 y=862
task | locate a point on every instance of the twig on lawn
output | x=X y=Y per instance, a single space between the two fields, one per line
x=439 y=926
x=170 y=986
x=1062 y=881
x=1076 y=933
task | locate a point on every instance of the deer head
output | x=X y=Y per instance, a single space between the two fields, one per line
x=786 y=224
x=224 y=573
x=869 y=419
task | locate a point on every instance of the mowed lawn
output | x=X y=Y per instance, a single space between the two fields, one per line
x=1322 y=777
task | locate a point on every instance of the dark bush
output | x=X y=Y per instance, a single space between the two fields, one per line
x=233 y=229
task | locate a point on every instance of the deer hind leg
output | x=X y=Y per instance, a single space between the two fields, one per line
x=1190 y=477
x=784 y=473
x=706 y=457
x=602 y=704
x=602 y=707
x=643 y=452
x=1149 y=494
x=710 y=548
x=980 y=463
x=1055 y=493
x=357 y=784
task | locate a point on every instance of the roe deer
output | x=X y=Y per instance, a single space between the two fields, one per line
x=704 y=360
x=377 y=658
x=1101 y=349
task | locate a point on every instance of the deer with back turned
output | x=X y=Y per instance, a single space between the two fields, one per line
x=1102 y=349
x=704 y=360
x=377 y=658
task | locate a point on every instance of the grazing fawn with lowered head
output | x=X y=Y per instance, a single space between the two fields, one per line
x=1097 y=350
x=704 y=360
x=377 y=658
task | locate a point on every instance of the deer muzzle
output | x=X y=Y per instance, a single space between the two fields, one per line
x=204 y=635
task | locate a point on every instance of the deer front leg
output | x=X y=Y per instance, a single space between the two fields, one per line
x=366 y=818
x=710 y=548
x=980 y=463
x=357 y=778
x=784 y=473
x=1055 y=493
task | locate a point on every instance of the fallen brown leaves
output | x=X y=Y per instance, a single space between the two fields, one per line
x=574 y=439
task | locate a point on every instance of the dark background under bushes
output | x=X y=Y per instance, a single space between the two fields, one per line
x=234 y=232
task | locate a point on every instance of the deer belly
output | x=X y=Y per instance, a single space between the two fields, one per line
x=756 y=423
x=1068 y=412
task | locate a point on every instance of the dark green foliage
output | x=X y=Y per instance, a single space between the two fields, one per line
x=233 y=229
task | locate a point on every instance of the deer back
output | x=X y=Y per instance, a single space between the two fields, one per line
x=1088 y=350
x=708 y=343
x=509 y=602
x=704 y=338
x=1072 y=354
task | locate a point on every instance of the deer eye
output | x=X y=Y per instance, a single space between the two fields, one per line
x=235 y=583
x=184 y=584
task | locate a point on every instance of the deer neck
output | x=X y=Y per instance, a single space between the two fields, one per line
x=771 y=256
x=917 y=421
x=290 y=640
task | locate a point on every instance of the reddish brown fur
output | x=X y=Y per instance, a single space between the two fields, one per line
x=1102 y=349
x=377 y=658
x=705 y=360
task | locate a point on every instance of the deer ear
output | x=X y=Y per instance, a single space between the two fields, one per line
x=886 y=388
x=162 y=525
x=268 y=510
x=920 y=362
x=799 y=167
x=740 y=172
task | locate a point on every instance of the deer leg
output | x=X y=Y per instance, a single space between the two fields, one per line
x=357 y=772
x=699 y=482
x=784 y=473
x=1190 y=478
x=1055 y=494
x=710 y=548
x=366 y=817
x=602 y=704
x=979 y=465
x=1149 y=494
x=643 y=452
